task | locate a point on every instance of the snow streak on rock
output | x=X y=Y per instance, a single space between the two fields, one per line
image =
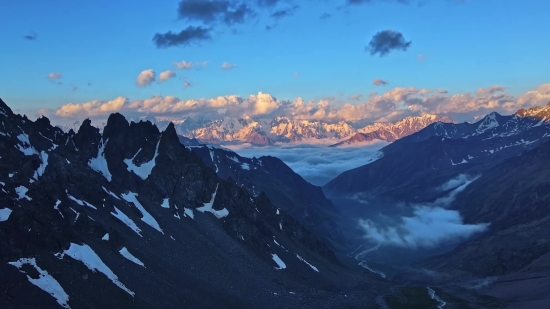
x=86 y=255
x=45 y=281
x=145 y=168
x=279 y=262
x=125 y=253
x=131 y=197
x=208 y=207
x=99 y=163
x=126 y=220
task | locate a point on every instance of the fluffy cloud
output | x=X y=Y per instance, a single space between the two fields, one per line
x=145 y=78
x=383 y=42
x=227 y=66
x=94 y=108
x=166 y=75
x=184 y=65
x=54 y=75
x=537 y=97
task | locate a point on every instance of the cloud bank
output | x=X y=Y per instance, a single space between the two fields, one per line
x=316 y=163
x=429 y=225
x=392 y=105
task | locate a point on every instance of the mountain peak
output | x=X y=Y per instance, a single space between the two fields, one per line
x=5 y=108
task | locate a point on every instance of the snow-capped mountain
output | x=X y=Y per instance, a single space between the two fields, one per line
x=260 y=131
x=393 y=131
x=465 y=146
x=130 y=218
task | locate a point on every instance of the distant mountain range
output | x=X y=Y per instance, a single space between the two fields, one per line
x=261 y=131
x=391 y=132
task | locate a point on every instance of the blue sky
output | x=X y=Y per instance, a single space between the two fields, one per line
x=101 y=46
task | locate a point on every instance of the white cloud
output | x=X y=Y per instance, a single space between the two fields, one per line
x=537 y=97
x=93 y=108
x=145 y=78
x=428 y=226
x=184 y=65
x=166 y=75
x=54 y=75
x=228 y=66
x=388 y=106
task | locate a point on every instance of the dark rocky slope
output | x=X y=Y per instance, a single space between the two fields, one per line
x=285 y=189
x=74 y=203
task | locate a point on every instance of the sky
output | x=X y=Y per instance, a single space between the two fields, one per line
x=329 y=60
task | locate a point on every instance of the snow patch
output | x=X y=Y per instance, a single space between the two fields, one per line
x=146 y=217
x=165 y=203
x=105 y=237
x=5 y=214
x=189 y=212
x=245 y=166
x=208 y=207
x=126 y=220
x=42 y=168
x=302 y=259
x=145 y=169
x=26 y=148
x=45 y=281
x=110 y=193
x=56 y=207
x=81 y=202
x=212 y=157
x=99 y=163
x=86 y=255
x=125 y=253
x=279 y=262
x=22 y=193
